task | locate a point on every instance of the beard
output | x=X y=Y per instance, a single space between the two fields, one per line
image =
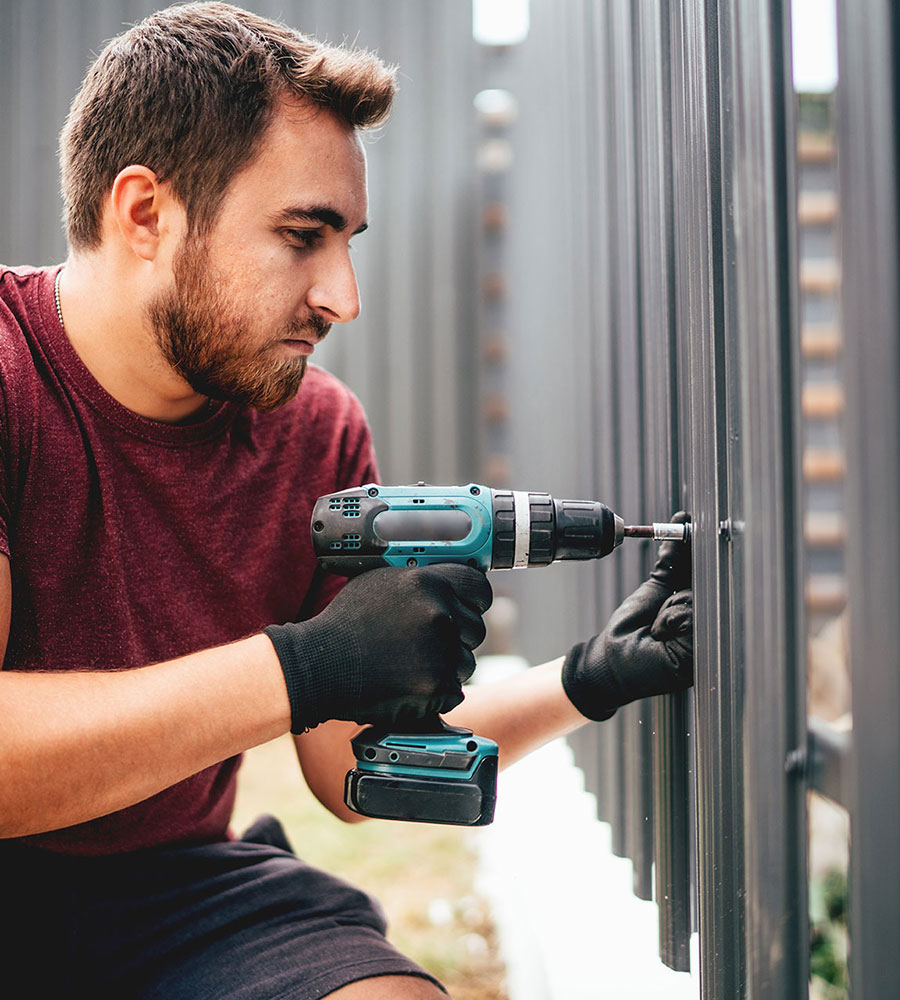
x=203 y=339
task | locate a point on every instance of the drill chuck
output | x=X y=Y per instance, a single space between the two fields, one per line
x=534 y=529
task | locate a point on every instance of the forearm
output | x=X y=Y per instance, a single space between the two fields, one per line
x=521 y=712
x=325 y=756
x=75 y=746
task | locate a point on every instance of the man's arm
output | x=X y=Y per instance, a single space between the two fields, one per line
x=520 y=713
x=325 y=756
x=74 y=746
x=78 y=745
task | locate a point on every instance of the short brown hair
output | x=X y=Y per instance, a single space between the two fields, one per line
x=189 y=92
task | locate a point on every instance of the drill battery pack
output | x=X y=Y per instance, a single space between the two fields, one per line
x=447 y=775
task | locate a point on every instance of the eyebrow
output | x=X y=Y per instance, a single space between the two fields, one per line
x=319 y=213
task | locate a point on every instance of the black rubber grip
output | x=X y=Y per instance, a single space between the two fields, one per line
x=585 y=529
x=504 y=529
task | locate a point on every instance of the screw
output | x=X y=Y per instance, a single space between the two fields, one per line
x=474 y=491
x=373 y=492
x=412 y=562
x=795 y=761
x=318 y=526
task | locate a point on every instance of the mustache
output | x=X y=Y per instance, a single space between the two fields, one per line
x=315 y=328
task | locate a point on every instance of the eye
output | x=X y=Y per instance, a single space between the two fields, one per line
x=303 y=239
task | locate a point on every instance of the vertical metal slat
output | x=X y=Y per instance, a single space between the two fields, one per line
x=763 y=330
x=869 y=44
x=698 y=233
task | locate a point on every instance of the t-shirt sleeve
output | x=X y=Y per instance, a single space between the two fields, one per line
x=357 y=465
x=5 y=434
x=4 y=476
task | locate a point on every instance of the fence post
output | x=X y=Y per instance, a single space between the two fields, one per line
x=867 y=154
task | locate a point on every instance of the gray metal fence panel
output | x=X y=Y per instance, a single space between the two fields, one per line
x=662 y=488
x=703 y=429
x=868 y=135
x=628 y=361
x=762 y=331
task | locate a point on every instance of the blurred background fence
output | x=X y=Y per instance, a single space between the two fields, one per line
x=615 y=257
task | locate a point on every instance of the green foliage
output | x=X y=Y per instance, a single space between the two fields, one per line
x=828 y=937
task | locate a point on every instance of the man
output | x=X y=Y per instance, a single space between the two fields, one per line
x=159 y=602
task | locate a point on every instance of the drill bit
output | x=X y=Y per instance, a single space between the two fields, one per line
x=659 y=531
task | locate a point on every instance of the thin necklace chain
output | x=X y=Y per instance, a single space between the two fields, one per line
x=56 y=296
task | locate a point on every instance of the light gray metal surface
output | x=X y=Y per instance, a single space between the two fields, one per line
x=868 y=134
x=708 y=433
x=762 y=329
x=669 y=724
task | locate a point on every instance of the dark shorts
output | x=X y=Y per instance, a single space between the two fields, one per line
x=245 y=920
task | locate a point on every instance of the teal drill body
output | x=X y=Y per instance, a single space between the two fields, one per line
x=372 y=526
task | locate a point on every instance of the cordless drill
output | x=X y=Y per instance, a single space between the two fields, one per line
x=441 y=773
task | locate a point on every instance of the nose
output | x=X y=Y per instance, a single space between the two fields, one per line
x=334 y=293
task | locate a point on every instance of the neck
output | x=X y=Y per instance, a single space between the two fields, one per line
x=103 y=304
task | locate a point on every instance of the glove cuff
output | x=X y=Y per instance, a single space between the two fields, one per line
x=598 y=698
x=317 y=665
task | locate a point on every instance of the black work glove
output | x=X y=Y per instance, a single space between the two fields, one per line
x=647 y=648
x=393 y=646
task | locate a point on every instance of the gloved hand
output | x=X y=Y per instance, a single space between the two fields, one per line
x=394 y=645
x=647 y=647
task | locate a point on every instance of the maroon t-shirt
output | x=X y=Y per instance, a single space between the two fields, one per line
x=133 y=541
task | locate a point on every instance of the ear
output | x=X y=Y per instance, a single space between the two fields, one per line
x=138 y=202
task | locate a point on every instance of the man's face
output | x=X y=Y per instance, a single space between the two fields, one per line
x=249 y=301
